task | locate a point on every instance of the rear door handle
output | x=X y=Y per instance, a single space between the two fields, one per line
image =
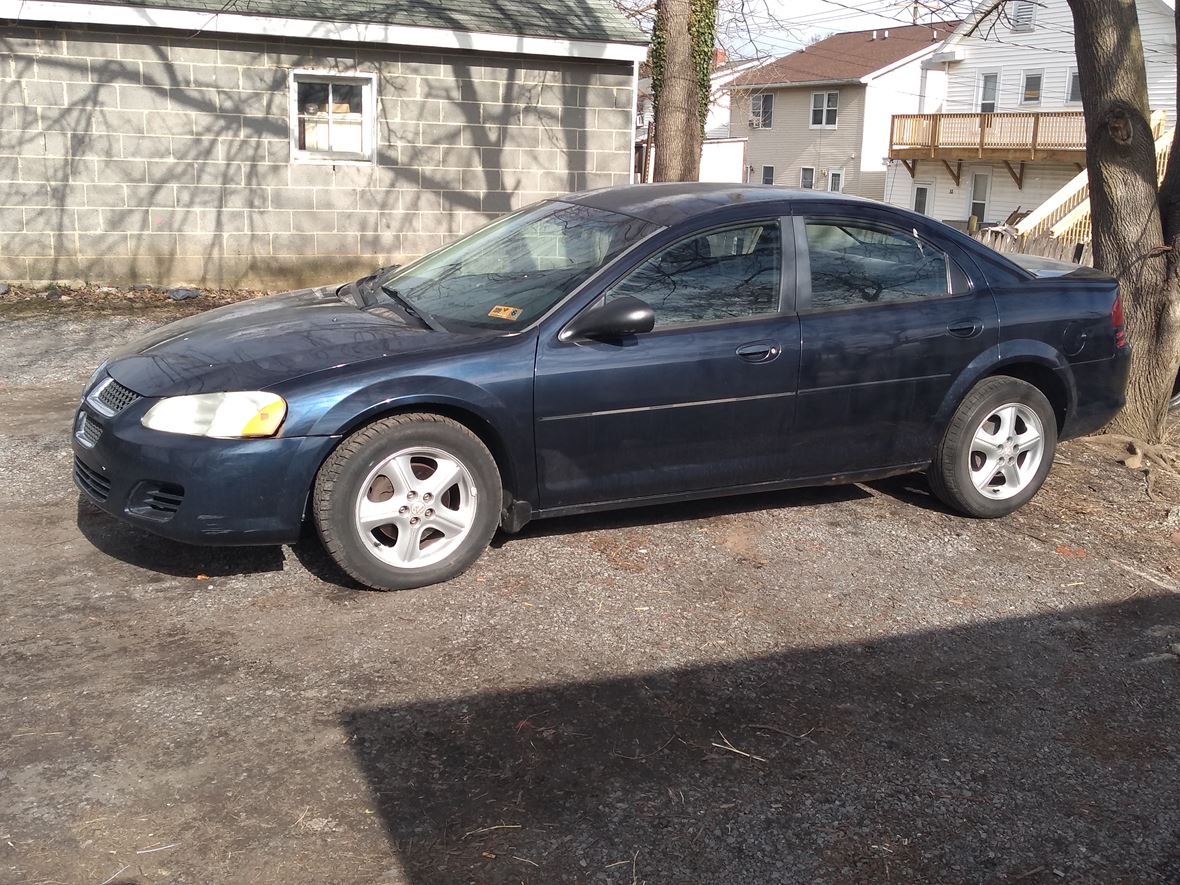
x=968 y=327
x=759 y=351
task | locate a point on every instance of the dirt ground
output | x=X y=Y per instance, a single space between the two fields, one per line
x=834 y=685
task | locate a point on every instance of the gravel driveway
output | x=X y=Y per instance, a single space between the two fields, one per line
x=834 y=685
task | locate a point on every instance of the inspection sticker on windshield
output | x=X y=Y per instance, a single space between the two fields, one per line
x=505 y=313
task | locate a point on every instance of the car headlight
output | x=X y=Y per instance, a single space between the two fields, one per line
x=244 y=413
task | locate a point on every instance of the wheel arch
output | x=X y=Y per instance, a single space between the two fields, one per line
x=1033 y=362
x=462 y=413
x=1044 y=379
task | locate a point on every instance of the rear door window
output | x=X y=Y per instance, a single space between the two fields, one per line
x=866 y=262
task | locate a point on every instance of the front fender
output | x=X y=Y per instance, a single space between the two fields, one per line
x=500 y=411
x=1017 y=352
x=388 y=395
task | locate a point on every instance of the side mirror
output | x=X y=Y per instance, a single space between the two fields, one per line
x=616 y=318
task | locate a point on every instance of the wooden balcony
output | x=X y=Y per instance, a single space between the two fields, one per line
x=1049 y=135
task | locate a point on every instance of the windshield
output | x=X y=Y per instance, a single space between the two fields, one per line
x=508 y=274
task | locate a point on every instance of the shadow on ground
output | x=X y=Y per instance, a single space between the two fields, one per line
x=1038 y=750
x=144 y=550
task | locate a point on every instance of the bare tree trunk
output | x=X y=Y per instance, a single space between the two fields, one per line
x=678 y=100
x=1128 y=237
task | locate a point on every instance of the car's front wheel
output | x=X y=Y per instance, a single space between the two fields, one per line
x=1174 y=401
x=407 y=501
x=997 y=449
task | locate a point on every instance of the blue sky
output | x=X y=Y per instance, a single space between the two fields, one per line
x=777 y=27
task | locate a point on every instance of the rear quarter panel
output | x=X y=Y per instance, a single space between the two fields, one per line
x=1065 y=323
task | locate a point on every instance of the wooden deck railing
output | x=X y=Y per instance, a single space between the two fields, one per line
x=1076 y=191
x=1015 y=134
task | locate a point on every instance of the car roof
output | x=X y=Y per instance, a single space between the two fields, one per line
x=670 y=202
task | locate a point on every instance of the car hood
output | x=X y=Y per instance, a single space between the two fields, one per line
x=259 y=343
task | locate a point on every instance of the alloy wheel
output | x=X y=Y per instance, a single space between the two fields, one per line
x=1006 y=451
x=416 y=507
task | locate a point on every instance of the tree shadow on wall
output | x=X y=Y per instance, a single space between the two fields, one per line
x=997 y=752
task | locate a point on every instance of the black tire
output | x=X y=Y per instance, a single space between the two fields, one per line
x=338 y=489
x=950 y=471
x=1174 y=402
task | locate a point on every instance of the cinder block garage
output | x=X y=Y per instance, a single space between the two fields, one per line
x=283 y=143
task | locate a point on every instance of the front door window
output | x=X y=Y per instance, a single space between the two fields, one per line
x=732 y=273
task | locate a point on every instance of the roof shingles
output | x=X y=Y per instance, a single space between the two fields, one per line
x=595 y=20
x=849 y=56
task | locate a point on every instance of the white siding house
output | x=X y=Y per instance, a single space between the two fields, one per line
x=1017 y=135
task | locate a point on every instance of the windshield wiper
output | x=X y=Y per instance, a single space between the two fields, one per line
x=426 y=319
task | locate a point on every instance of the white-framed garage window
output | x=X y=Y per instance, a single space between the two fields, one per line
x=332 y=117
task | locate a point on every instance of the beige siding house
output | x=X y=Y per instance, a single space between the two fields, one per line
x=819 y=118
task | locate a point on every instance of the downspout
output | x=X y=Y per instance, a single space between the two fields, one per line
x=634 y=117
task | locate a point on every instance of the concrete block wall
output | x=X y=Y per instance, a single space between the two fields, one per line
x=163 y=158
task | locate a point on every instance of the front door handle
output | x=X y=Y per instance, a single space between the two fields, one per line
x=758 y=351
x=968 y=327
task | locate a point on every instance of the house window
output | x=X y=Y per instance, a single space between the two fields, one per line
x=922 y=199
x=824 y=109
x=1023 y=15
x=1031 y=93
x=768 y=175
x=836 y=181
x=1073 y=91
x=807 y=177
x=761 y=111
x=989 y=87
x=332 y=117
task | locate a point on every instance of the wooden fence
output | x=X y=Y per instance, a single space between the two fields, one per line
x=1042 y=244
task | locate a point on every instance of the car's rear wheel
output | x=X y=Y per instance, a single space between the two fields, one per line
x=997 y=449
x=1174 y=402
x=407 y=501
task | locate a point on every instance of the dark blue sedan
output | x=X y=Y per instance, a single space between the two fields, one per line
x=609 y=349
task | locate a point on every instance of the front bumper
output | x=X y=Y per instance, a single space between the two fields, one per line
x=194 y=489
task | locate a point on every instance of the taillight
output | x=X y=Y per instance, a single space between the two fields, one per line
x=1116 y=320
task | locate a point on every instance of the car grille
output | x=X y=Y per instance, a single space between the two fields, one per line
x=115 y=396
x=158 y=501
x=89 y=431
x=91 y=481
